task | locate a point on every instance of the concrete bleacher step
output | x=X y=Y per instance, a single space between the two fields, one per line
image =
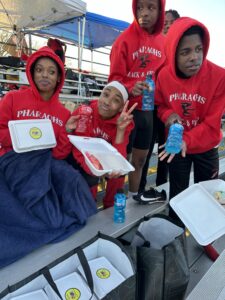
x=201 y=262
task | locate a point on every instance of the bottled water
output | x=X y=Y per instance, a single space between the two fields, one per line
x=119 y=207
x=174 y=139
x=149 y=94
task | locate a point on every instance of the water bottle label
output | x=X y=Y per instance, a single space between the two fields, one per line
x=148 y=95
x=119 y=208
x=120 y=200
x=85 y=112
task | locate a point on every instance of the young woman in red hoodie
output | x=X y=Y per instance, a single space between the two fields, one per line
x=45 y=73
x=43 y=199
x=191 y=90
x=137 y=52
x=110 y=120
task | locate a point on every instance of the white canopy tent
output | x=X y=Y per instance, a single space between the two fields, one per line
x=17 y=15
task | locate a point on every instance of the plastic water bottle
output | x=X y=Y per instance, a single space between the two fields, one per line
x=119 y=207
x=149 y=94
x=83 y=124
x=174 y=139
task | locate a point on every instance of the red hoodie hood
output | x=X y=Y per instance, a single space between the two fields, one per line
x=45 y=52
x=159 y=24
x=174 y=35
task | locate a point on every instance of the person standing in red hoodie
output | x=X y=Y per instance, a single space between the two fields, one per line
x=158 y=131
x=138 y=52
x=191 y=90
x=109 y=119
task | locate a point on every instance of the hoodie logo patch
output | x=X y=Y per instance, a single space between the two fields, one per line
x=187 y=109
x=144 y=60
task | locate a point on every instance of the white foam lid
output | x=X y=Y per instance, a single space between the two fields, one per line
x=200 y=211
x=73 y=282
x=22 y=140
x=102 y=286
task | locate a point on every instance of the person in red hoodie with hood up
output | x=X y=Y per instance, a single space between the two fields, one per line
x=191 y=90
x=109 y=119
x=43 y=199
x=45 y=73
x=138 y=52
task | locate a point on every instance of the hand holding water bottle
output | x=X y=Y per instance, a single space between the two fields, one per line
x=174 y=143
x=173 y=118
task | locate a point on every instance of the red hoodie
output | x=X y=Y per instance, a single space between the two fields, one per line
x=137 y=53
x=198 y=100
x=28 y=104
x=105 y=129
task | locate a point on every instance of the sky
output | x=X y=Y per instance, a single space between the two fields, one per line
x=209 y=12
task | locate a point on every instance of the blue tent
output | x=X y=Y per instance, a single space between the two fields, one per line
x=100 y=31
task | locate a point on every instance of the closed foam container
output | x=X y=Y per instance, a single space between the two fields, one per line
x=200 y=211
x=105 y=276
x=29 y=135
x=110 y=159
x=74 y=284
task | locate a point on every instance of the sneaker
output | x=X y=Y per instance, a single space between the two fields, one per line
x=150 y=196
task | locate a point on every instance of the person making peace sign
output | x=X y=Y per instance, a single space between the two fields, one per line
x=109 y=119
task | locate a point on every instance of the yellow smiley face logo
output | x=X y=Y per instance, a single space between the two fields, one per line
x=103 y=273
x=35 y=133
x=72 y=294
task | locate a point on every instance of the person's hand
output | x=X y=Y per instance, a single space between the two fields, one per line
x=72 y=123
x=170 y=156
x=113 y=174
x=173 y=118
x=138 y=88
x=125 y=117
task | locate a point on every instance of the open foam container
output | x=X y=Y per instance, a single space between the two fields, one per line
x=110 y=159
x=29 y=135
x=200 y=211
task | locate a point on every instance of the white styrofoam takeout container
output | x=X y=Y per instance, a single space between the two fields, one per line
x=105 y=276
x=29 y=135
x=73 y=283
x=212 y=186
x=110 y=159
x=200 y=211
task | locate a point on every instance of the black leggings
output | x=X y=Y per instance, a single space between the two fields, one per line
x=158 y=135
x=141 y=135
